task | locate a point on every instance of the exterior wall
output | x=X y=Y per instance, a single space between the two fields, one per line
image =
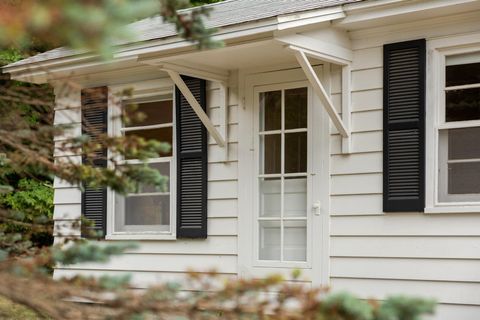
x=375 y=254
x=166 y=260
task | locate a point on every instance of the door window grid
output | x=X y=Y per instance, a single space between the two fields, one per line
x=460 y=122
x=280 y=221
x=121 y=218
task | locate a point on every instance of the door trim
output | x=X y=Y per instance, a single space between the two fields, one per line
x=317 y=271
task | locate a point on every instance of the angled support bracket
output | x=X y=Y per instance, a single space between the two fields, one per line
x=321 y=93
x=212 y=130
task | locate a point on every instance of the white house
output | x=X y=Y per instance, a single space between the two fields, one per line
x=335 y=136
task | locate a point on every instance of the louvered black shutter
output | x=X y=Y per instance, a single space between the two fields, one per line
x=191 y=164
x=404 y=126
x=94 y=124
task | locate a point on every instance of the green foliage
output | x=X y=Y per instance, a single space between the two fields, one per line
x=33 y=198
x=405 y=308
x=345 y=306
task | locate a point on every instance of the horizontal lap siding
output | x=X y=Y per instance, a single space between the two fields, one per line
x=375 y=254
x=158 y=261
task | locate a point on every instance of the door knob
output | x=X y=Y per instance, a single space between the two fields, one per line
x=317 y=206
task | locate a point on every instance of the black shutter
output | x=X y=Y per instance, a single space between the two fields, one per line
x=404 y=126
x=94 y=124
x=192 y=160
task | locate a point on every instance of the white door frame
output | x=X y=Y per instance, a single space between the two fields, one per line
x=316 y=270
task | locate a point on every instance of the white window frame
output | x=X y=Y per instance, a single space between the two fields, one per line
x=316 y=270
x=142 y=91
x=438 y=50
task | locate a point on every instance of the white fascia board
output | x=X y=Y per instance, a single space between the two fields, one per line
x=362 y=12
x=309 y=18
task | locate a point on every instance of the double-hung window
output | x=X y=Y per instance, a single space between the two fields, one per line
x=149 y=210
x=459 y=129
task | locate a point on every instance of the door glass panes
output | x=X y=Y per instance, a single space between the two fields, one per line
x=271 y=153
x=295 y=240
x=270 y=197
x=295 y=197
x=295 y=152
x=296 y=108
x=282 y=181
x=271 y=111
x=269 y=241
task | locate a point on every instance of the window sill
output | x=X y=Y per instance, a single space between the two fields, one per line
x=452 y=209
x=140 y=236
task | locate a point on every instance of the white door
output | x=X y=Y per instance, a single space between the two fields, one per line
x=286 y=217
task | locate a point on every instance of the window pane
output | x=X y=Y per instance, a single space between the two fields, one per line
x=463 y=105
x=296 y=152
x=149 y=113
x=463 y=143
x=269 y=241
x=270 y=149
x=160 y=134
x=295 y=241
x=147 y=210
x=464 y=178
x=164 y=169
x=296 y=108
x=461 y=74
x=270 y=197
x=295 y=197
x=270 y=110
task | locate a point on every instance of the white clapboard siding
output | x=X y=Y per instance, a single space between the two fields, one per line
x=232 y=134
x=216 y=115
x=222 y=189
x=356 y=184
x=356 y=204
x=143 y=279
x=363 y=121
x=68 y=116
x=361 y=142
x=407 y=224
x=357 y=163
x=217 y=154
x=367 y=79
x=452 y=311
x=67 y=196
x=67 y=211
x=222 y=208
x=367 y=58
x=216 y=227
x=442 y=291
x=406 y=247
x=222 y=171
x=166 y=262
x=406 y=269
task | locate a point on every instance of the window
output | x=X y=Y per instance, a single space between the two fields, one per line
x=283 y=181
x=149 y=210
x=459 y=130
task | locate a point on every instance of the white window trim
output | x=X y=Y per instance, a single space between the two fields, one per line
x=142 y=90
x=435 y=118
x=317 y=271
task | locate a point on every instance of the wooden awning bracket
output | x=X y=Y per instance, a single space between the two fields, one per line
x=343 y=123
x=218 y=133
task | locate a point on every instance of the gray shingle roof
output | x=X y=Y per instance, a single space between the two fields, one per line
x=222 y=14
